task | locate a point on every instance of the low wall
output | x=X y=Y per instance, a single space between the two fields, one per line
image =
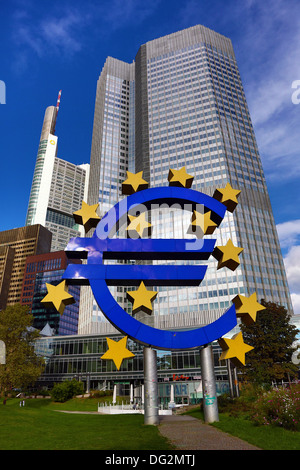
x=125 y=409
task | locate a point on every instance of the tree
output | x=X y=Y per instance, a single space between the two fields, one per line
x=272 y=337
x=23 y=366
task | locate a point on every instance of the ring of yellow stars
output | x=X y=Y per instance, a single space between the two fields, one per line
x=138 y=225
x=58 y=297
x=87 y=216
x=202 y=224
x=234 y=349
x=142 y=299
x=134 y=183
x=117 y=351
x=247 y=308
x=228 y=196
x=180 y=178
x=227 y=256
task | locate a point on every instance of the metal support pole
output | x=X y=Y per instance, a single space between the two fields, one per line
x=230 y=377
x=150 y=387
x=210 y=402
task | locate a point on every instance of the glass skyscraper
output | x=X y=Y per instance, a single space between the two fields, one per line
x=58 y=187
x=182 y=103
x=40 y=270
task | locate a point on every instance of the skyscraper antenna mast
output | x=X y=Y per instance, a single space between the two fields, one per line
x=58 y=100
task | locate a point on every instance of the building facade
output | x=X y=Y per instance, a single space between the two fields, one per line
x=67 y=191
x=15 y=246
x=7 y=254
x=112 y=148
x=79 y=357
x=58 y=187
x=182 y=103
x=39 y=270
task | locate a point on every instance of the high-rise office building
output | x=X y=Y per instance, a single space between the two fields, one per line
x=112 y=149
x=182 y=103
x=39 y=270
x=58 y=187
x=112 y=135
x=15 y=246
x=67 y=191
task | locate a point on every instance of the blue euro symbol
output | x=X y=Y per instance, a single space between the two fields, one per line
x=103 y=247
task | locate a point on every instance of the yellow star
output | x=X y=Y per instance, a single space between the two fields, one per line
x=134 y=183
x=227 y=256
x=228 y=196
x=138 y=225
x=234 y=349
x=247 y=308
x=142 y=299
x=87 y=216
x=180 y=178
x=58 y=297
x=117 y=351
x=202 y=224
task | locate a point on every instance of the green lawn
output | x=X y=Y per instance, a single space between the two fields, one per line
x=264 y=437
x=37 y=426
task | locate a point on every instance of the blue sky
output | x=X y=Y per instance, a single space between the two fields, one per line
x=46 y=46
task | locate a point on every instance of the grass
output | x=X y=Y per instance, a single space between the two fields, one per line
x=264 y=437
x=38 y=426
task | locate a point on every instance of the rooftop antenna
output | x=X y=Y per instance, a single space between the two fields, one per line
x=57 y=108
x=58 y=100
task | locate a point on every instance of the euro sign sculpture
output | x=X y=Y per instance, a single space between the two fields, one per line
x=102 y=246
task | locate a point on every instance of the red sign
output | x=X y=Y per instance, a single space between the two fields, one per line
x=180 y=377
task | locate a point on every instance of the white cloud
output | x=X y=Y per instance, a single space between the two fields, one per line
x=289 y=233
x=48 y=34
x=289 y=237
x=292 y=267
x=273 y=65
x=61 y=33
x=296 y=303
x=69 y=28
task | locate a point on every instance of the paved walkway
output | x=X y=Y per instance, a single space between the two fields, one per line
x=188 y=433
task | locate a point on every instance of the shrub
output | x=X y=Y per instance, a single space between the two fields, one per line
x=97 y=394
x=279 y=407
x=66 y=390
x=100 y=393
x=242 y=405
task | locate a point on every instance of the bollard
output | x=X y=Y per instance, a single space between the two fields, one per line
x=210 y=402
x=150 y=387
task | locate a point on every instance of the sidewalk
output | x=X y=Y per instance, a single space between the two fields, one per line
x=188 y=433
